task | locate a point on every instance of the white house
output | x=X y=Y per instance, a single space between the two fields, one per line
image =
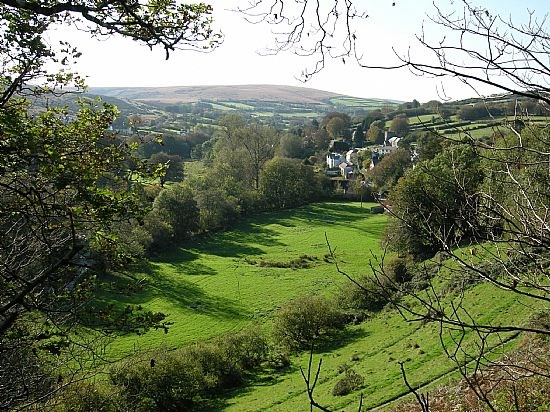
x=334 y=160
x=394 y=141
x=346 y=169
x=386 y=150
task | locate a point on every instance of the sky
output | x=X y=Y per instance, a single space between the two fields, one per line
x=241 y=58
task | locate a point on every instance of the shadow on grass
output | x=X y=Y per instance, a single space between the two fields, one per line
x=177 y=290
x=241 y=241
x=258 y=378
x=318 y=214
x=339 y=339
x=183 y=261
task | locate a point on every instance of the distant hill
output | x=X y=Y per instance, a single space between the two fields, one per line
x=191 y=94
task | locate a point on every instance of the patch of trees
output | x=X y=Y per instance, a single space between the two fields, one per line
x=480 y=111
x=391 y=168
x=435 y=203
x=337 y=125
x=195 y=375
x=400 y=125
x=244 y=177
x=65 y=183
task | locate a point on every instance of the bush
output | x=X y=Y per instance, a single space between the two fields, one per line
x=247 y=348
x=165 y=381
x=86 y=397
x=367 y=294
x=307 y=318
x=396 y=269
x=176 y=380
x=350 y=382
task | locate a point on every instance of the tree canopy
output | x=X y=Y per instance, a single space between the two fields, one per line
x=65 y=181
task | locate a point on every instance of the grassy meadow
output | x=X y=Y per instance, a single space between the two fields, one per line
x=221 y=282
x=227 y=281
x=373 y=349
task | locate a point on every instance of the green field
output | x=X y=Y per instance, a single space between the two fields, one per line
x=362 y=103
x=213 y=286
x=210 y=287
x=373 y=349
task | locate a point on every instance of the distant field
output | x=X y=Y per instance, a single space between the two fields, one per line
x=425 y=118
x=237 y=105
x=223 y=107
x=209 y=287
x=364 y=103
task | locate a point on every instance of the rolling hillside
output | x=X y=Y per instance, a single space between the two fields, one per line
x=190 y=94
x=275 y=98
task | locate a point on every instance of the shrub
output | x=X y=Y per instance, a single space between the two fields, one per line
x=396 y=269
x=87 y=397
x=367 y=294
x=176 y=380
x=166 y=381
x=247 y=348
x=349 y=382
x=301 y=321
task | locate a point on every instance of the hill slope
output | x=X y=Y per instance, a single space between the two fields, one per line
x=189 y=94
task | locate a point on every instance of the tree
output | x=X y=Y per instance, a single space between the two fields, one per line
x=291 y=146
x=287 y=183
x=62 y=187
x=375 y=134
x=371 y=117
x=171 y=165
x=245 y=149
x=400 y=125
x=429 y=145
x=390 y=169
x=359 y=136
x=64 y=181
x=336 y=124
x=176 y=207
x=434 y=203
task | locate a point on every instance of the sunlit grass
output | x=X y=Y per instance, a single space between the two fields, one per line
x=210 y=286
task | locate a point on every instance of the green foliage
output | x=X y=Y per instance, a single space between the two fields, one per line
x=337 y=125
x=366 y=293
x=287 y=183
x=375 y=133
x=87 y=397
x=516 y=187
x=171 y=165
x=359 y=136
x=434 y=203
x=244 y=149
x=177 y=380
x=291 y=146
x=176 y=207
x=390 y=169
x=371 y=117
x=479 y=111
x=306 y=319
x=350 y=382
x=429 y=145
x=400 y=125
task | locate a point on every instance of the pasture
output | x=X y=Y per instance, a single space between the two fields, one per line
x=218 y=283
x=228 y=281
